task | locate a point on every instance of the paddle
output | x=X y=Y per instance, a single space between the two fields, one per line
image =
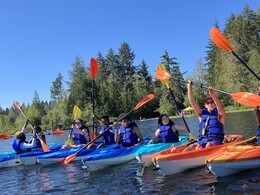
x=44 y=146
x=93 y=74
x=166 y=82
x=76 y=114
x=4 y=136
x=221 y=41
x=142 y=102
x=244 y=98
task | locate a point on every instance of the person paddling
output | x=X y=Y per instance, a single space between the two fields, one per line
x=38 y=144
x=80 y=134
x=128 y=135
x=257 y=115
x=108 y=136
x=212 y=120
x=20 y=145
x=167 y=131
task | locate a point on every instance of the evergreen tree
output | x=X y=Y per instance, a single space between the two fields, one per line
x=57 y=89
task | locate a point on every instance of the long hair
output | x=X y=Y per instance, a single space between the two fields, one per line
x=160 y=120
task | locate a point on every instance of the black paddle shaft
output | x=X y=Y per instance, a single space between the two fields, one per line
x=244 y=63
x=184 y=121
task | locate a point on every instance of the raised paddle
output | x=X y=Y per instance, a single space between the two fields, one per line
x=76 y=114
x=166 y=83
x=93 y=74
x=221 y=41
x=44 y=146
x=142 y=102
x=244 y=98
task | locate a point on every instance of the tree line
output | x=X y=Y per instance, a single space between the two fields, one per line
x=121 y=83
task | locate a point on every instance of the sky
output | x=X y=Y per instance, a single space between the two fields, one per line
x=39 y=39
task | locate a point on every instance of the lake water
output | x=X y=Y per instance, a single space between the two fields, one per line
x=131 y=178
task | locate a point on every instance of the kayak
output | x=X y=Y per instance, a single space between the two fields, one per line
x=234 y=159
x=145 y=153
x=102 y=159
x=175 y=160
x=30 y=158
x=58 y=132
x=11 y=159
x=60 y=155
x=4 y=136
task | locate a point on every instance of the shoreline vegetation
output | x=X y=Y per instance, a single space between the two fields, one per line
x=49 y=131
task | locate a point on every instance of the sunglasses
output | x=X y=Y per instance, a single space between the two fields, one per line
x=211 y=102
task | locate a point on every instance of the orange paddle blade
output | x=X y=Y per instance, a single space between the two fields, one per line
x=162 y=75
x=4 y=136
x=144 y=101
x=220 y=40
x=93 y=68
x=163 y=81
x=16 y=105
x=69 y=158
x=246 y=99
x=44 y=146
x=58 y=132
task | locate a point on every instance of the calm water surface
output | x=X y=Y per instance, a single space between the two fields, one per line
x=131 y=178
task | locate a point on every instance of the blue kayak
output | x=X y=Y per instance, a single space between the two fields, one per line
x=30 y=158
x=109 y=157
x=60 y=155
x=11 y=159
x=144 y=154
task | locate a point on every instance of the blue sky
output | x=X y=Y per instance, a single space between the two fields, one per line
x=41 y=38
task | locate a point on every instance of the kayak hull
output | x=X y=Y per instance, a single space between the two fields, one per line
x=229 y=168
x=95 y=165
x=109 y=157
x=175 y=160
x=31 y=158
x=234 y=159
x=60 y=156
x=145 y=153
x=9 y=159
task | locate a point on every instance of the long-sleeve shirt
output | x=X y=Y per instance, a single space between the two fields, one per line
x=25 y=145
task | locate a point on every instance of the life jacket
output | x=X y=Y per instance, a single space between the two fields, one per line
x=167 y=135
x=17 y=148
x=210 y=127
x=80 y=139
x=108 y=136
x=38 y=142
x=127 y=137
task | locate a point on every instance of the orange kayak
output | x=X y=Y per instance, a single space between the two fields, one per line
x=174 y=161
x=4 y=136
x=235 y=158
x=58 y=132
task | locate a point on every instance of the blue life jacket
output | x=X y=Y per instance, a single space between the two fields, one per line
x=78 y=138
x=38 y=143
x=127 y=137
x=210 y=127
x=17 y=148
x=167 y=135
x=108 y=136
